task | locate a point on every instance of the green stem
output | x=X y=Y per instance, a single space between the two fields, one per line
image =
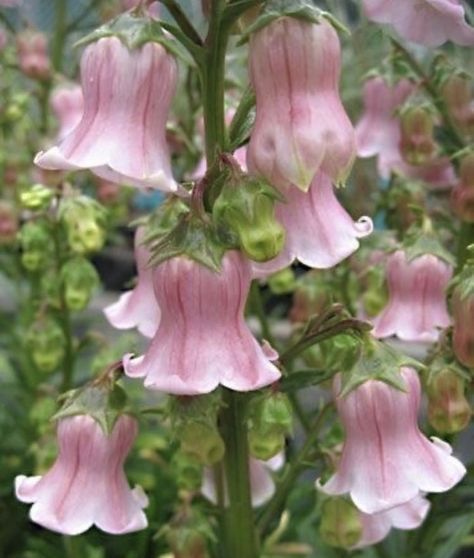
x=213 y=75
x=292 y=473
x=465 y=239
x=239 y=526
x=60 y=33
x=65 y=316
x=72 y=547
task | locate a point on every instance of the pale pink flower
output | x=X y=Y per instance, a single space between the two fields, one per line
x=68 y=106
x=86 y=486
x=301 y=126
x=407 y=516
x=386 y=460
x=427 y=22
x=319 y=231
x=122 y=134
x=378 y=134
x=32 y=48
x=137 y=307
x=416 y=309
x=262 y=485
x=202 y=340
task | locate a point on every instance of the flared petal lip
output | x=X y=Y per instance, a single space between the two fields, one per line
x=53 y=159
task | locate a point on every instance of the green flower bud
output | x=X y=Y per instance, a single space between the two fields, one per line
x=417 y=143
x=80 y=279
x=202 y=442
x=187 y=543
x=187 y=472
x=341 y=525
x=247 y=208
x=84 y=220
x=45 y=342
x=35 y=243
x=264 y=446
x=37 y=197
x=282 y=282
x=270 y=420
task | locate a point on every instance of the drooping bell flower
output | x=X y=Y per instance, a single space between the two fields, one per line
x=427 y=22
x=122 y=134
x=32 y=47
x=137 y=307
x=378 y=130
x=319 y=231
x=406 y=517
x=462 y=304
x=462 y=196
x=68 y=106
x=262 y=485
x=343 y=525
x=386 y=460
x=301 y=126
x=202 y=340
x=417 y=301
x=417 y=144
x=86 y=486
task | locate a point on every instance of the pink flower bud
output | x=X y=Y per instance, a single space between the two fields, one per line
x=463 y=328
x=32 y=48
x=202 y=340
x=86 y=485
x=68 y=106
x=319 y=231
x=417 y=143
x=122 y=134
x=301 y=126
x=427 y=22
x=138 y=307
x=417 y=299
x=407 y=516
x=386 y=460
x=262 y=485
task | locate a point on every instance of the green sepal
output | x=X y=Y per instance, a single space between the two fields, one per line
x=444 y=361
x=377 y=361
x=302 y=379
x=421 y=241
x=194 y=237
x=299 y=9
x=104 y=403
x=462 y=284
x=134 y=31
x=162 y=220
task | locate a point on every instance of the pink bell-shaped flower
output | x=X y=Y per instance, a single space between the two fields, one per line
x=86 y=486
x=301 y=126
x=319 y=231
x=386 y=460
x=417 y=301
x=68 y=106
x=407 y=516
x=378 y=130
x=202 y=340
x=138 y=307
x=32 y=47
x=121 y=137
x=427 y=22
x=262 y=485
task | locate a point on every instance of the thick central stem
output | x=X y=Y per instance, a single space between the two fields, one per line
x=213 y=76
x=239 y=525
